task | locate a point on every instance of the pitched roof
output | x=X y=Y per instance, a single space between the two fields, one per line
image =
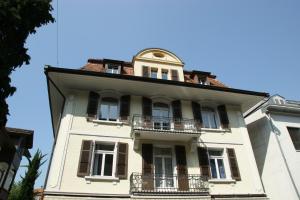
x=98 y=65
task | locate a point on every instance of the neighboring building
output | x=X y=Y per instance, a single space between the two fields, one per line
x=14 y=143
x=38 y=194
x=147 y=129
x=274 y=130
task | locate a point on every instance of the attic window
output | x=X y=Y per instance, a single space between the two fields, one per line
x=158 y=55
x=112 y=68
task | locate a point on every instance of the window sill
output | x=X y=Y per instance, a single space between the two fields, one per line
x=221 y=181
x=214 y=130
x=107 y=122
x=101 y=178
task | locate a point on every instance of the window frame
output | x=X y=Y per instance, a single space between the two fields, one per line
x=165 y=71
x=293 y=142
x=216 y=158
x=216 y=117
x=114 y=164
x=108 y=65
x=99 y=109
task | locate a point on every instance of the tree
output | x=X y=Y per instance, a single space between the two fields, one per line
x=24 y=189
x=15 y=191
x=18 y=19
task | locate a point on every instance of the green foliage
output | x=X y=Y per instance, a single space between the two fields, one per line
x=18 y=19
x=15 y=191
x=24 y=189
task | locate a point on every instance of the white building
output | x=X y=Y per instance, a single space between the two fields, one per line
x=147 y=129
x=274 y=131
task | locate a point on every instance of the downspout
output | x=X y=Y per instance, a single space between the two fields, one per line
x=282 y=154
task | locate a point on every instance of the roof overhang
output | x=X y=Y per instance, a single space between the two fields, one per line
x=282 y=109
x=68 y=80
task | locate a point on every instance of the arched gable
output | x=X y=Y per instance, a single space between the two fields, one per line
x=158 y=55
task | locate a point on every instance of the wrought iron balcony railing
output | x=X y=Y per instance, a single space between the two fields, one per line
x=168 y=184
x=165 y=124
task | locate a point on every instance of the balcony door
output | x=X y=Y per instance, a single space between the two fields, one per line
x=163 y=168
x=161 y=119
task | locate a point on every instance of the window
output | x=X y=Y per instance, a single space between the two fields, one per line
x=153 y=73
x=164 y=74
x=216 y=162
x=161 y=116
x=2 y=172
x=209 y=118
x=295 y=136
x=9 y=179
x=109 y=109
x=163 y=167
x=104 y=159
x=113 y=69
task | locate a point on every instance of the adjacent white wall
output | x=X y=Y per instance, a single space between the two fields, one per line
x=275 y=153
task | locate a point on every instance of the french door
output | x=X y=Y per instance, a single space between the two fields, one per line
x=161 y=116
x=163 y=168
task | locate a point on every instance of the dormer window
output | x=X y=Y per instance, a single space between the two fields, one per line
x=113 y=68
x=153 y=72
x=164 y=74
x=202 y=80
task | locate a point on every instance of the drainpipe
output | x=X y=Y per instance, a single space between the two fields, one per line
x=282 y=154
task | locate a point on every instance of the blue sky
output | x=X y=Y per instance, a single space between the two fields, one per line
x=253 y=45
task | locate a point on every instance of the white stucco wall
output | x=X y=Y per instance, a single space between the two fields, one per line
x=271 y=164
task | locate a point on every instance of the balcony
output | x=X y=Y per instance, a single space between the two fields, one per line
x=164 y=128
x=168 y=184
x=166 y=124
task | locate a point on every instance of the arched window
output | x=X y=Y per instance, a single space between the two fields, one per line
x=161 y=113
x=109 y=109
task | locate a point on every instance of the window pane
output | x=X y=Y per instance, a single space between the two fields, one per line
x=213 y=168
x=209 y=118
x=113 y=112
x=103 y=111
x=97 y=164
x=215 y=152
x=205 y=120
x=108 y=165
x=164 y=75
x=107 y=147
x=168 y=166
x=153 y=74
x=158 y=172
x=221 y=168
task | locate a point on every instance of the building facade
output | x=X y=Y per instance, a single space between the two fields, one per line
x=148 y=129
x=274 y=130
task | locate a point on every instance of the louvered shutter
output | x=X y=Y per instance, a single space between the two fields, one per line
x=92 y=107
x=235 y=173
x=223 y=116
x=174 y=75
x=197 y=115
x=147 y=176
x=177 y=115
x=85 y=158
x=145 y=71
x=122 y=161
x=183 y=182
x=147 y=112
x=203 y=162
x=125 y=107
